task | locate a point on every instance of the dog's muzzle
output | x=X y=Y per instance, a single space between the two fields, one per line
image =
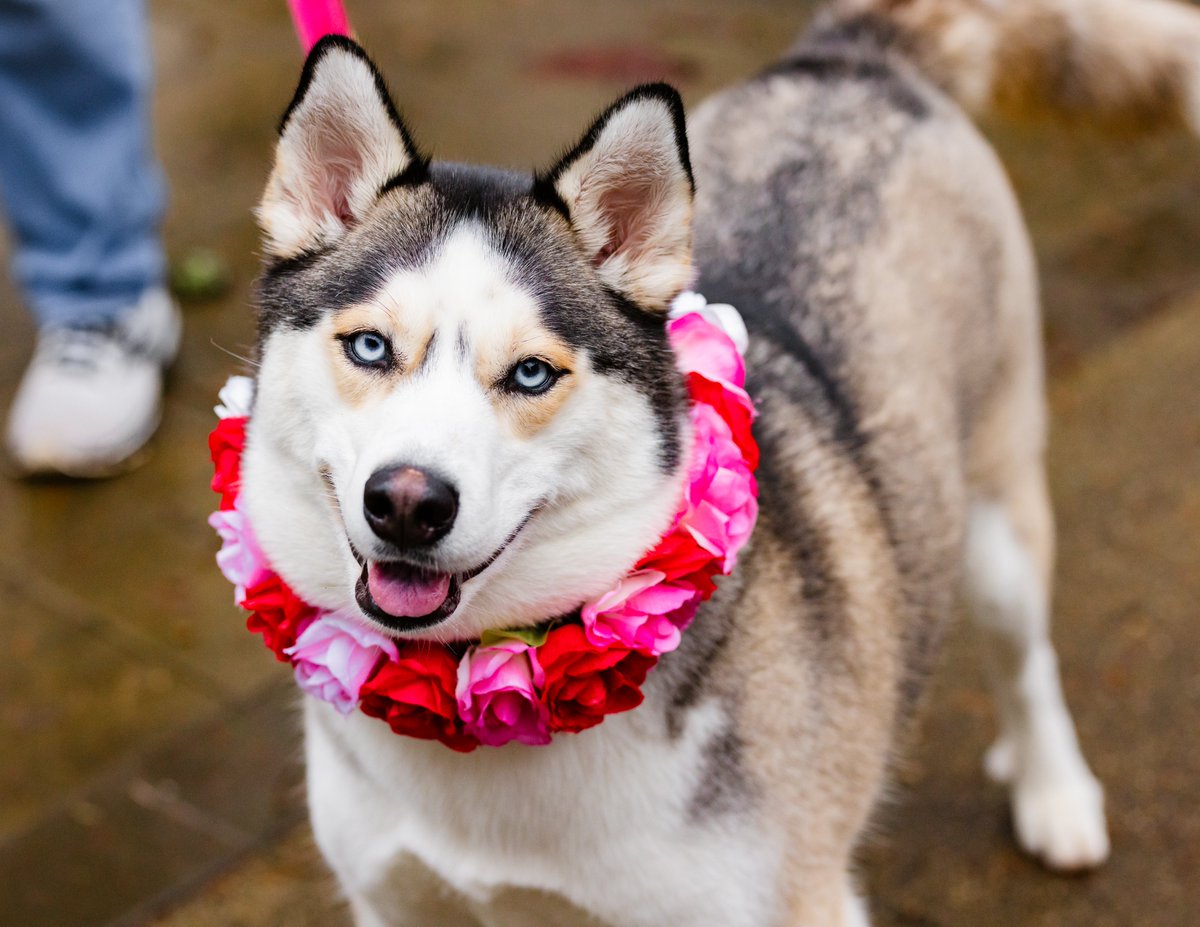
x=406 y=597
x=409 y=507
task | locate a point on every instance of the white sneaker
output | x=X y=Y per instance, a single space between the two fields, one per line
x=92 y=395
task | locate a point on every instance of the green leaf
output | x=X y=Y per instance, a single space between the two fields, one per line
x=534 y=637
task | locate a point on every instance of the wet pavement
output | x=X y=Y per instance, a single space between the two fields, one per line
x=150 y=766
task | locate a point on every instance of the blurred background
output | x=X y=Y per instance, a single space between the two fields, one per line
x=149 y=746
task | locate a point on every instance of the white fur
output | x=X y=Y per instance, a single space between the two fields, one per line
x=1058 y=805
x=418 y=837
x=589 y=526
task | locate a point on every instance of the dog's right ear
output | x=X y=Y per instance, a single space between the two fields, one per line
x=627 y=190
x=341 y=142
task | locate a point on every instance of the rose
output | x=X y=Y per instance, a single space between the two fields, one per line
x=240 y=558
x=716 y=376
x=722 y=316
x=334 y=656
x=643 y=612
x=701 y=347
x=414 y=694
x=277 y=614
x=726 y=516
x=225 y=444
x=720 y=501
x=733 y=406
x=677 y=556
x=237 y=398
x=497 y=694
x=721 y=504
x=583 y=684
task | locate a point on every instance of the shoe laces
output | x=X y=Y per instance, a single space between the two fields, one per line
x=82 y=347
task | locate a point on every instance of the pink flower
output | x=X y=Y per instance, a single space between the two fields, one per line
x=240 y=558
x=334 y=656
x=700 y=347
x=497 y=695
x=722 y=494
x=643 y=612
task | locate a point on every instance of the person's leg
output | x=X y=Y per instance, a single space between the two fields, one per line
x=84 y=198
x=80 y=186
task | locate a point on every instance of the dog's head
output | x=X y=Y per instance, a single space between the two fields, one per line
x=468 y=414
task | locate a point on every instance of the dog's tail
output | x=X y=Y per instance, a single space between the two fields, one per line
x=1118 y=63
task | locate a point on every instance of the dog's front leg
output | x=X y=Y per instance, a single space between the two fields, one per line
x=357 y=825
x=399 y=891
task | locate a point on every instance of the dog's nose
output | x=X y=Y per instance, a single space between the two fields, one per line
x=409 y=507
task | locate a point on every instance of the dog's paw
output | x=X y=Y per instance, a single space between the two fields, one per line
x=1062 y=823
x=856 y=911
x=1000 y=761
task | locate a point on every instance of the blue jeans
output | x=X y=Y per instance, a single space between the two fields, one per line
x=80 y=186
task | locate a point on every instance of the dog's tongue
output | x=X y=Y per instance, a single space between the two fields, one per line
x=405 y=592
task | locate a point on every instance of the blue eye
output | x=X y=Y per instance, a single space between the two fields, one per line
x=370 y=349
x=532 y=375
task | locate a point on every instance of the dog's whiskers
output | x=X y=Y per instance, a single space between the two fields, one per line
x=256 y=365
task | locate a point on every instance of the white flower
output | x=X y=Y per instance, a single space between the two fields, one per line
x=722 y=315
x=237 y=398
x=685 y=302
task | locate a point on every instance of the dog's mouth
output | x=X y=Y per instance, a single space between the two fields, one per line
x=404 y=596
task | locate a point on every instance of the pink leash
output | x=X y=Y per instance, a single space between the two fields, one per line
x=317 y=18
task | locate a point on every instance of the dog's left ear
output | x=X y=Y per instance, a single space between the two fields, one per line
x=341 y=143
x=627 y=189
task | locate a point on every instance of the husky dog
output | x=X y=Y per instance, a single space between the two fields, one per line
x=468 y=417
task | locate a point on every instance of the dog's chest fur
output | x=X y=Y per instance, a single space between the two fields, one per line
x=505 y=837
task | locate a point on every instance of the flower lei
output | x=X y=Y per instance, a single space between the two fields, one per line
x=522 y=685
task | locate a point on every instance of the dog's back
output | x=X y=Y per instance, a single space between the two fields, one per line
x=868 y=235
x=848 y=207
x=866 y=232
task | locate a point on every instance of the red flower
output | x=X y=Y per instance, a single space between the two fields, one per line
x=584 y=683
x=702 y=580
x=415 y=696
x=225 y=444
x=277 y=614
x=677 y=555
x=734 y=407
